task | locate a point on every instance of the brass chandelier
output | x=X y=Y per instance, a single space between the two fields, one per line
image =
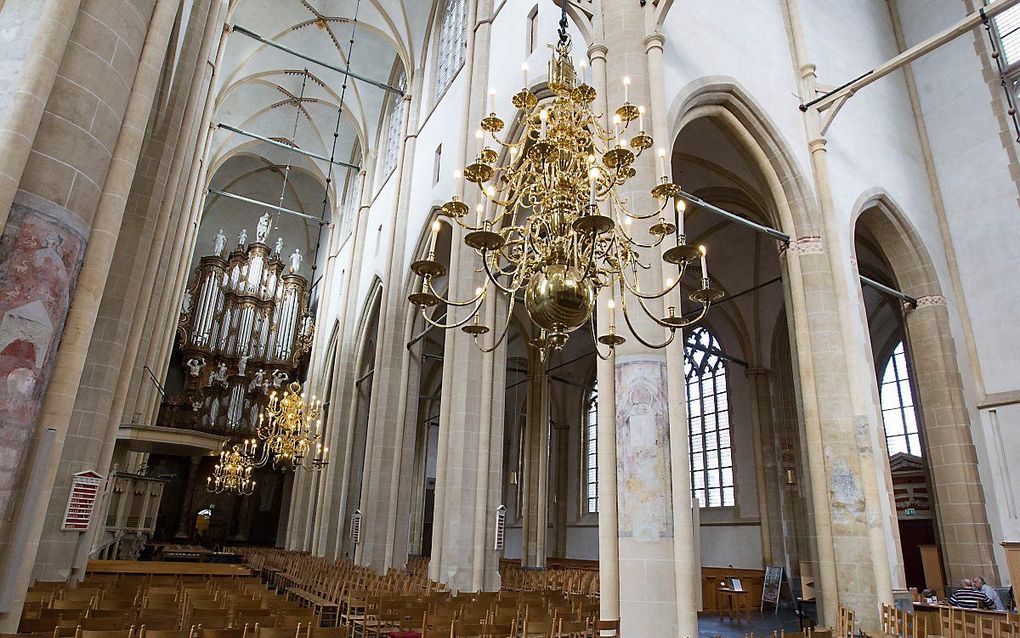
x=233 y=472
x=290 y=429
x=559 y=230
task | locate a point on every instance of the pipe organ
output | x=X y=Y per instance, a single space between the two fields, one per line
x=243 y=329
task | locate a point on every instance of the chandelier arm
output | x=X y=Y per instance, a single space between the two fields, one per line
x=457 y=324
x=633 y=330
x=491 y=277
x=506 y=328
x=595 y=339
x=639 y=216
x=450 y=302
x=659 y=295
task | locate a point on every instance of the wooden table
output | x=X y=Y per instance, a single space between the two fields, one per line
x=733 y=601
x=165 y=569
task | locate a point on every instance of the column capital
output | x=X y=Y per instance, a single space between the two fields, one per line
x=817 y=144
x=930 y=300
x=810 y=245
x=654 y=41
x=597 y=50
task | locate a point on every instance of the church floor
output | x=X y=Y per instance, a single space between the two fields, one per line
x=710 y=626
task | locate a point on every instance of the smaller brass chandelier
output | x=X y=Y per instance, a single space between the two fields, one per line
x=233 y=473
x=290 y=429
x=552 y=227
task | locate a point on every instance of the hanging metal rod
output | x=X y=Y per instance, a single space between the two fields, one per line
x=733 y=217
x=295 y=149
x=892 y=292
x=829 y=99
x=363 y=377
x=303 y=56
x=248 y=200
x=421 y=335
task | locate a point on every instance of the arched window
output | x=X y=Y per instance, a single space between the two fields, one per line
x=898 y=412
x=451 y=43
x=708 y=419
x=591 y=449
x=394 y=126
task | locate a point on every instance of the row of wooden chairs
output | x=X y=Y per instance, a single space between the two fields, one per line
x=953 y=622
x=248 y=631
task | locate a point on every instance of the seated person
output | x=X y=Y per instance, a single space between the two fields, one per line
x=989 y=591
x=969 y=597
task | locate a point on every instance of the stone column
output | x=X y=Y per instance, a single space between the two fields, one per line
x=462 y=555
x=609 y=539
x=861 y=522
x=56 y=550
x=33 y=38
x=761 y=415
x=535 y=479
x=686 y=555
x=62 y=204
x=187 y=505
x=389 y=458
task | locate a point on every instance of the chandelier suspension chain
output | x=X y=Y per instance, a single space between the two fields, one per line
x=290 y=153
x=336 y=137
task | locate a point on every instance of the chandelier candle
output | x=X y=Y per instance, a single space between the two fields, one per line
x=560 y=231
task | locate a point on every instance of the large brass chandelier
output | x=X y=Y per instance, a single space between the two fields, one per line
x=290 y=429
x=233 y=472
x=559 y=230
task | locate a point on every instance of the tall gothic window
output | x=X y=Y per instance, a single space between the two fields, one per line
x=898 y=412
x=708 y=417
x=1007 y=29
x=394 y=125
x=452 y=36
x=591 y=449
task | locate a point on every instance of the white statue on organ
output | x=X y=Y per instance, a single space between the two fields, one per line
x=295 y=260
x=278 y=248
x=186 y=303
x=221 y=374
x=219 y=243
x=260 y=377
x=242 y=365
x=195 y=366
x=279 y=377
x=262 y=230
x=242 y=237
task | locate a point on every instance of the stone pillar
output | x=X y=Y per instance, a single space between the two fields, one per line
x=535 y=478
x=468 y=488
x=341 y=423
x=609 y=539
x=33 y=39
x=761 y=415
x=861 y=519
x=686 y=555
x=389 y=458
x=61 y=203
x=56 y=549
x=187 y=505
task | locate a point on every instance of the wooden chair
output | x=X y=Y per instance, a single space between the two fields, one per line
x=38 y=625
x=293 y=618
x=48 y=585
x=161 y=624
x=104 y=633
x=310 y=631
x=277 y=632
x=40 y=634
x=606 y=629
x=146 y=632
x=209 y=620
x=106 y=624
x=237 y=632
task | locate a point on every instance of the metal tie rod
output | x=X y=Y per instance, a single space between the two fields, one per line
x=892 y=292
x=771 y=232
x=248 y=200
x=303 y=56
x=296 y=149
